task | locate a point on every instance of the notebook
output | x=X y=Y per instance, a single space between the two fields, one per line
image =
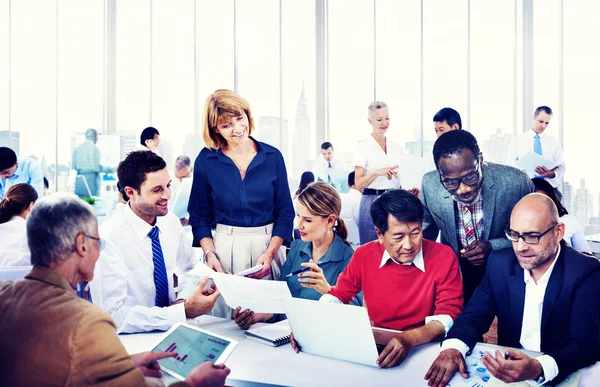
x=274 y=335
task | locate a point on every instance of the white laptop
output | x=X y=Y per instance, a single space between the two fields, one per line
x=332 y=330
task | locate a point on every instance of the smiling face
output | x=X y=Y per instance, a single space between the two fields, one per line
x=380 y=120
x=234 y=129
x=403 y=240
x=153 y=197
x=312 y=227
x=463 y=165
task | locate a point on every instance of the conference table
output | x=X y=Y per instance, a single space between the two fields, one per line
x=256 y=364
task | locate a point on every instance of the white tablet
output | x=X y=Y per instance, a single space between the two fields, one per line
x=194 y=346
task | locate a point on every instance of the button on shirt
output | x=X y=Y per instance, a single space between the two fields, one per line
x=551 y=150
x=124 y=272
x=28 y=171
x=370 y=156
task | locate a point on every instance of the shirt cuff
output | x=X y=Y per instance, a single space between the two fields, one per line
x=550 y=369
x=175 y=313
x=455 y=344
x=330 y=299
x=445 y=319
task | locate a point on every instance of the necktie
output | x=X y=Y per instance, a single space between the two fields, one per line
x=161 y=281
x=328 y=176
x=537 y=144
x=470 y=234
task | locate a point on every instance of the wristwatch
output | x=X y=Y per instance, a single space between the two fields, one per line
x=541 y=379
x=208 y=252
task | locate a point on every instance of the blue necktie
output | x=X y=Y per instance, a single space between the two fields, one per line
x=161 y=281
x=537 y=144
x=329 y=177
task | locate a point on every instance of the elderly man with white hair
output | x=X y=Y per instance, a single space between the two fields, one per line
x=51 y=337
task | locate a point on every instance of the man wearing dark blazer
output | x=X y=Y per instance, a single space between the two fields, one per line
x=469 y=202
x=547 y=299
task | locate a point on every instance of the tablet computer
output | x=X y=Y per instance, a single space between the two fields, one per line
x=194 y=346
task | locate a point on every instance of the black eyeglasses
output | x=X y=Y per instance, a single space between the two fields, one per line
x=99 y=240
x=469 y=179
x=527 y=237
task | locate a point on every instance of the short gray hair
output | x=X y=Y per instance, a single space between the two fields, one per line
x=183 y=162
x=54 y=223
x=376 y=105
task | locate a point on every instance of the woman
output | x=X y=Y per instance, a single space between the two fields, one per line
x=14 y=208
x=574 y=236
x=375 y=162
x=240 y=185
x=323 y=250
x=306 y=178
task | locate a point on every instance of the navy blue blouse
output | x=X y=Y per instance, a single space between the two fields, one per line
x=219 y=195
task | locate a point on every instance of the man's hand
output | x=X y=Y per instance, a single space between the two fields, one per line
x=477 y=252
x=314 y=279
x=213 y=262
x=517 y=368
x=246 y=318
x=208 y=374
x=148 y=364
x=200 y=302
x=444 y=367
x=394 y=352
x=543 y=171
x=294 y=343
x=264 y=260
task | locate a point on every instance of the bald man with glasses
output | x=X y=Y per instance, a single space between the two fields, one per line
x=547 y=299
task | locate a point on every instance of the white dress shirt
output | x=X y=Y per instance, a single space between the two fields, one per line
x=350 y=213
x=419 y=263
x=126 y=271
x=14 y=250
x=531 y=326
x=551 y=150
x=370 y=156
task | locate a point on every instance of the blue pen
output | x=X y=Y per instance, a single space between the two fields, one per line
x=301 y=270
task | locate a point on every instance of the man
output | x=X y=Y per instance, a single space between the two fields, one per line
x=541 y=143
x=182 y=188
x=86 y=161
x=469 y=201
x=326 y=169
x=183 y=168
x=396 y=274
x=150 y=139
x=48 y=335
x=21 y=170
x=445 y=120
x=351 y=210
x=145 y=247
x=546 y=296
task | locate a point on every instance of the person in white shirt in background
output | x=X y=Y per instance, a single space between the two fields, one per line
x=328 y=169
x=181 y=188
x=14 y=208
x=445 y=120
x=149 y=140
x=538 y=141
x=145 y=247
x=351 y=210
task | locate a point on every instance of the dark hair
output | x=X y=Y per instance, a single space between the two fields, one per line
x=454 y=143
x=148 y=134
x=544 y=109
x=46 y=183
x=132 y=171
x=449 y=115
x=16 y=200
x=545 y=187
x=326 y=145
x=401 y=204
x=306 y=178
x=351 y=179
x=8 y=158
x=122 y=191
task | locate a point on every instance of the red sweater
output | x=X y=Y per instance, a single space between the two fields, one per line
x=400 y=297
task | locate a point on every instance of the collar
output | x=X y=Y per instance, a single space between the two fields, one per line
x=19 y=169
x=49 y=276
x=260 y=148
x=546 y=277
x=532 y=133
x=417 y=261
x=334 y=253
x=139 y=226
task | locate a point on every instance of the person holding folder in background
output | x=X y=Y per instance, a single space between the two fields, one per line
x=315 y=262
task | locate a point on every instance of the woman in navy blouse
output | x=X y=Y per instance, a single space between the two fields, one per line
x=240 y=185
x=323 y=249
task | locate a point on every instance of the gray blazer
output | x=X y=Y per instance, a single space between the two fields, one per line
x=503 y=187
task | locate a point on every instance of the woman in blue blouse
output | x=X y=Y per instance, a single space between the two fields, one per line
x=323 y=249
x=240 y=185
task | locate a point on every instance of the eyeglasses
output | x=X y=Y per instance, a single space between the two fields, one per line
x=99 y=240
x=469 y=179
x=527 y=238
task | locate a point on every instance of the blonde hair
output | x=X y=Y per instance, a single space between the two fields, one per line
x=321 y=199
x=221 y=106
x=376 y=105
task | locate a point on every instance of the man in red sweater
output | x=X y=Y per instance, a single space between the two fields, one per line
x=409 y=284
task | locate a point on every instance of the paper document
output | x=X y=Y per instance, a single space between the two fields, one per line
x=260 y=296
x=530 y=161
x=252 y=270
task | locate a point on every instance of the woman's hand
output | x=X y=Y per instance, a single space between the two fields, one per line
x=314 y=279
x=264 y=260
x=389 y=172
x=246 y=318
x=213 y=262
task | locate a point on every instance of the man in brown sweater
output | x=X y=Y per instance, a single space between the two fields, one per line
x=48 y=335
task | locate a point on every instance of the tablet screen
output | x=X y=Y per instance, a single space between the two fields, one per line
x=193 y=348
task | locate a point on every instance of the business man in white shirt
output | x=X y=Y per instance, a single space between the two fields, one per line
x=145 y=247
x=351 y=210
x=329 y=170
x=536 y=140
x=181 y=188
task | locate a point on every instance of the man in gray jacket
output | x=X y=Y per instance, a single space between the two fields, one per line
x=469 y=201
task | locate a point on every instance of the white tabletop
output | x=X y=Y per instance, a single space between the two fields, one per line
x=255 y=362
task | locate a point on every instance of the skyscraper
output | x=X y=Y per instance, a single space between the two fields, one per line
x=497 y=147
x=583 y=205
x=129 y=142
x=301 y=149
x=11 y=140
x=567 y=199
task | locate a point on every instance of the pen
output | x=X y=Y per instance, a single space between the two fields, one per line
x=300 y=271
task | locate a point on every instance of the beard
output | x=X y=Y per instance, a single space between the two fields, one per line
x=532 y=259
